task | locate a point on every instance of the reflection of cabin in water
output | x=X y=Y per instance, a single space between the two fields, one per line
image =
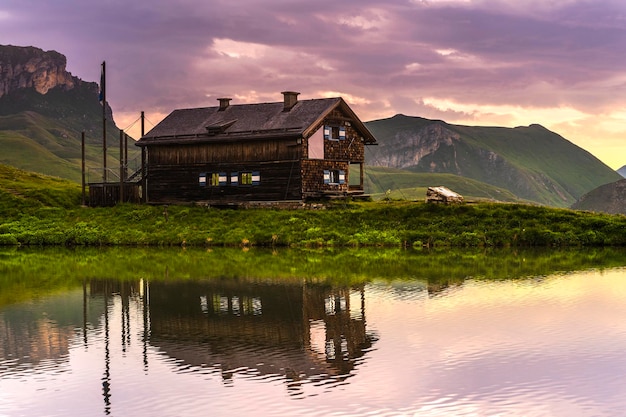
x=297 y=330
x=293 y=329
x=283 y=151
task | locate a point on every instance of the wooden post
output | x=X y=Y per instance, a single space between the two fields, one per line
x=82 y=153
x=121 y=166
x=125 y=156
x=144 y=181
x=362 y=176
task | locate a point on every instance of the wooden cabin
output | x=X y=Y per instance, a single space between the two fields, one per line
x=294 y=150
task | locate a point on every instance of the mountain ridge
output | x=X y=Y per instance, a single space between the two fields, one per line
x=533 y=162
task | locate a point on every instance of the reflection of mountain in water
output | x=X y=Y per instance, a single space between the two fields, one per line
x=40 y=331
x=300 y=331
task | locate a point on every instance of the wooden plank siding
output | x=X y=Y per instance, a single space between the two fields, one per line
x=174 y=170
x=179 y=183
x=203 y=153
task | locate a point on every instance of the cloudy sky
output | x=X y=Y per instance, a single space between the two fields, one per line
x=559 y=63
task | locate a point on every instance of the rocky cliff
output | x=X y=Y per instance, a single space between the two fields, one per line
x=30 y=67
x=408 y=148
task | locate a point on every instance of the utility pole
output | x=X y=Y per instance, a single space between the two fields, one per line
x=103 y=99
x=121 y=166
x=82 y=152
x=144 y=182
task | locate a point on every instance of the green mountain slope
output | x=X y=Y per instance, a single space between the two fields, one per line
x=42 y=133
x=380 y=182
x=21 y=189
x=532 y=162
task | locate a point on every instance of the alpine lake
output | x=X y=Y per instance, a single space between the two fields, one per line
x=285 y=332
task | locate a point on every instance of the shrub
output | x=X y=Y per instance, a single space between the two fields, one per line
x=7 y=239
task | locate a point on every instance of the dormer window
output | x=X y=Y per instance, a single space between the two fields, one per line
x=217 y=128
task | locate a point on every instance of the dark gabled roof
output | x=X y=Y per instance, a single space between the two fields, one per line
x=249 y=121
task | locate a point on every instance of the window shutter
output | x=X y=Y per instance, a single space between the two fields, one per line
x=234 y=178
x=326 y=176
x=342 y=133
x=327 y=131
x=256 y=178
x=223 y=178
x=202 y=179
x=342 y=177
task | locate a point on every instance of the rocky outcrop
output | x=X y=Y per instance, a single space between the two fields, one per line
x=408 y=148
x=30 y=67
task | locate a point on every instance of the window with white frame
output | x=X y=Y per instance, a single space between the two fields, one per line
x=214 y=179
x=334 y=176
x=334 y=132
x=249 y=178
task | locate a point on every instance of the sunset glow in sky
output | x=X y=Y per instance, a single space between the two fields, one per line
x=475 y=62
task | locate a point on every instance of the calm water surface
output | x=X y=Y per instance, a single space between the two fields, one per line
x=297 y=342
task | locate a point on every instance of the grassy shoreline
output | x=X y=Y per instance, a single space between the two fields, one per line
x=40 y=210
x=347 y=224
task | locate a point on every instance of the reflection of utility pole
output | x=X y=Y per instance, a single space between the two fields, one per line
x=85 y=312
x=106 y=380
x=125 y=296
x=146 y=322
x=363 y=303
x=128 y=320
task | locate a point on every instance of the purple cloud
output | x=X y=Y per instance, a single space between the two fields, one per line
x=391 y=56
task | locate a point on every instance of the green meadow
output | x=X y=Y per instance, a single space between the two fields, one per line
x=37 y=210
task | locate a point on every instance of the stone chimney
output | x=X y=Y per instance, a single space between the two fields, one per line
x=224 y=103
x=290 y=99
